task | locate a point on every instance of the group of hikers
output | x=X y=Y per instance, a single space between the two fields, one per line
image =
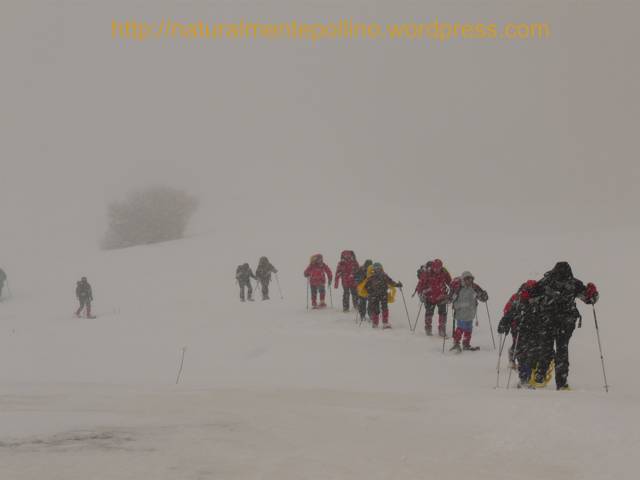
x=540 y=317
x=244 y=274
x=370 y=290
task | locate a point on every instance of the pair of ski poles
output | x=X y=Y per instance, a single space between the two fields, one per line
x=328 y=287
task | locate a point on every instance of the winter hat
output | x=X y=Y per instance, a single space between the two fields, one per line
x=466 y=274
x=436 y=265
x=377 y=267
x=367 y=263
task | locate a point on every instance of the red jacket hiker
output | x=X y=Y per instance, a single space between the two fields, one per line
x=318 y=271
x=346 y=269
x=434 y=284
x=433 y=287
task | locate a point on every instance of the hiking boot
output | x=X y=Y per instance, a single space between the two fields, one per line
x=456 y=348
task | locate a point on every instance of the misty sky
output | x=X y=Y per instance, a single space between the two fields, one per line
x=519 y=136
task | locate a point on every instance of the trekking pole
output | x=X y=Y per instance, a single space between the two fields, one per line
x=330 y=294
x=362 y=299
x=453 y=331
x=486 y=304
x=604 y=373
x=501 y=341
x=279 y=289
x=405 y=308
x=307 y=293
x=417 y=318
x=515 y=352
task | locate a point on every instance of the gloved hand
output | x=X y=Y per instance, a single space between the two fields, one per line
x=503 y=326
x=399 y=284
x=483 y=296
x=591 y=294
x=329 y=282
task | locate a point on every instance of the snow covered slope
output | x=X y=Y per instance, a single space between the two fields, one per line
x=270 y=390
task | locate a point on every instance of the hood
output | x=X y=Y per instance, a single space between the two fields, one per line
x=436 y=265
x=466 y=274
x=367 y=263
x=317 y=258
x=561 y=271
x=347 y=255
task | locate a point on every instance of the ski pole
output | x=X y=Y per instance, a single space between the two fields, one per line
x=279 y=289
x=515 y=353
x=330 y=294
x=184 y=349
x=453 y=331
x=604 y=373
x=501 y=341
x=405 y=308
x=417 y=318
x=362 y=299
x=486 y=304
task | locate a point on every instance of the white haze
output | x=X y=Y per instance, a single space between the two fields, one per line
x=499 y=157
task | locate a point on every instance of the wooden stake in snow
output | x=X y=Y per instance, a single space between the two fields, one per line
x=184 y=349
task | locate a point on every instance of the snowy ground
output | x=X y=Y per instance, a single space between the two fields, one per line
x=272 y=391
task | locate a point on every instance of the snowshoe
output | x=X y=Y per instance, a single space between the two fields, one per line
x=386 y=325
x=470 y=348
x=564 y=388
x=525 y=385
x=322 y=305
x=542 y=379
x=456 y=348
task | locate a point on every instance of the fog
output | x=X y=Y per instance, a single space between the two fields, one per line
x=521 y=137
